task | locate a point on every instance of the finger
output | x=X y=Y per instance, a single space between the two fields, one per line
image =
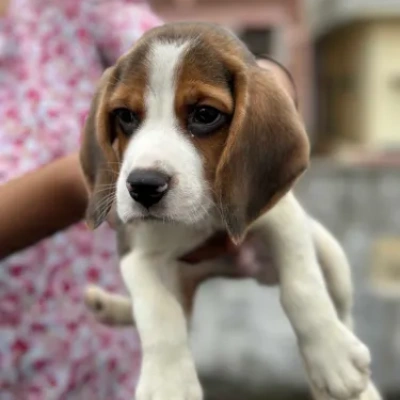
x=254 y=260
x=246 y=260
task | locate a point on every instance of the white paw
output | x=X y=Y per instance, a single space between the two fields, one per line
x=337 y=363
x=168 y=379
x=97 y=300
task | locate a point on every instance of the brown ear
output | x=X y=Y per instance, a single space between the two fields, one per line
x=98 y=159
x=266 y=151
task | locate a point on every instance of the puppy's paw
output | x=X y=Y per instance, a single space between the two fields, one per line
x=337 y=363
x=110 y=309
x=96 y=299
x=168 y=379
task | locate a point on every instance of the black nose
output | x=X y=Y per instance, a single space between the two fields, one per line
x=147 y=186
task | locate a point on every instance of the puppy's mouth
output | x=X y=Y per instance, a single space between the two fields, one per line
x=151 y=218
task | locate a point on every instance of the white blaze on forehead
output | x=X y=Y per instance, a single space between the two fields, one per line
x=159 y=141
x=164 y=59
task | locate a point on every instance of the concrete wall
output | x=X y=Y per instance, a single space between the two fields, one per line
x=342 y=87
x=326 y=15
x=243 y=343
x=383 y=83
x=359 y=84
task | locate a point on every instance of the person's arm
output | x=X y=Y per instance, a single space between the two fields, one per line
x=41 y=203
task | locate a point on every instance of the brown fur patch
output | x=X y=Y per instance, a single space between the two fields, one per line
x=253 y=160
x=130 y=89
x=103 y=142
x=266 y=152
x=203 y=80
x=97 y=155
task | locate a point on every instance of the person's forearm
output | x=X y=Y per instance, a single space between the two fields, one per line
x=41 y=203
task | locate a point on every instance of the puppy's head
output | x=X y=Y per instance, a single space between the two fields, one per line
x=186 y=122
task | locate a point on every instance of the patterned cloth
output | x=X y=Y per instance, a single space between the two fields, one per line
x=52 y=53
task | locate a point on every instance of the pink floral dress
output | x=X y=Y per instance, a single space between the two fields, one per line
x=51 y=56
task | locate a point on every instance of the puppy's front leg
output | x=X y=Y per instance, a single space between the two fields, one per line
x=337 y=362
x=168 y=371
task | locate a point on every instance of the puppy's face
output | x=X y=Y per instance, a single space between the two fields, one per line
x=187 y=122
x=173 y=119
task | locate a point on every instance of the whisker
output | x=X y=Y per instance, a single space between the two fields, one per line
x=104 y=186
x=110 y=171
x=104 y=204
x=102 y=191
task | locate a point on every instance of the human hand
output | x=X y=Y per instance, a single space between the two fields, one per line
x=249 y=259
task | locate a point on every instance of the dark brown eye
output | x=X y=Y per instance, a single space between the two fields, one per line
x=127 y=120
x=204 y=120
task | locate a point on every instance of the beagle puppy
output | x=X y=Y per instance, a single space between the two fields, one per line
x=189 y=136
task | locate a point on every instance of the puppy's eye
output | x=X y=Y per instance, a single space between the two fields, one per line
x=204 y=120
x=127 y=120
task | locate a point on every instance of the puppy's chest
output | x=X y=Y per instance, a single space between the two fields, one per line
x=162 y=239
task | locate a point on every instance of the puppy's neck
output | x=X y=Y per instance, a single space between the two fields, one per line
x=167 y=239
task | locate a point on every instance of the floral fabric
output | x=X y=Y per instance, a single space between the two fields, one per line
x=52 y=53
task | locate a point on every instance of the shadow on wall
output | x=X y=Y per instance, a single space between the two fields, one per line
x=229 y=390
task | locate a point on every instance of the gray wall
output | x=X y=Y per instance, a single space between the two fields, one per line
x=325 y=15
x=242 y=341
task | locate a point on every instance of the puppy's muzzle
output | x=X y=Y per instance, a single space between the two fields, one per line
x=147 y=186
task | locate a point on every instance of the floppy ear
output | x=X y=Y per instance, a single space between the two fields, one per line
x=266 y=151
x=97 y=156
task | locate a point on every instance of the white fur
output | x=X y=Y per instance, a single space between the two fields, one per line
x=337 y=362
x=159 y=144
x=168 y=371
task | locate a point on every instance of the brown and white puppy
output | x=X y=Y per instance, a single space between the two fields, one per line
x=190 y=136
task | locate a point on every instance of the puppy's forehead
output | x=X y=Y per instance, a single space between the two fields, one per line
x=202 y=46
